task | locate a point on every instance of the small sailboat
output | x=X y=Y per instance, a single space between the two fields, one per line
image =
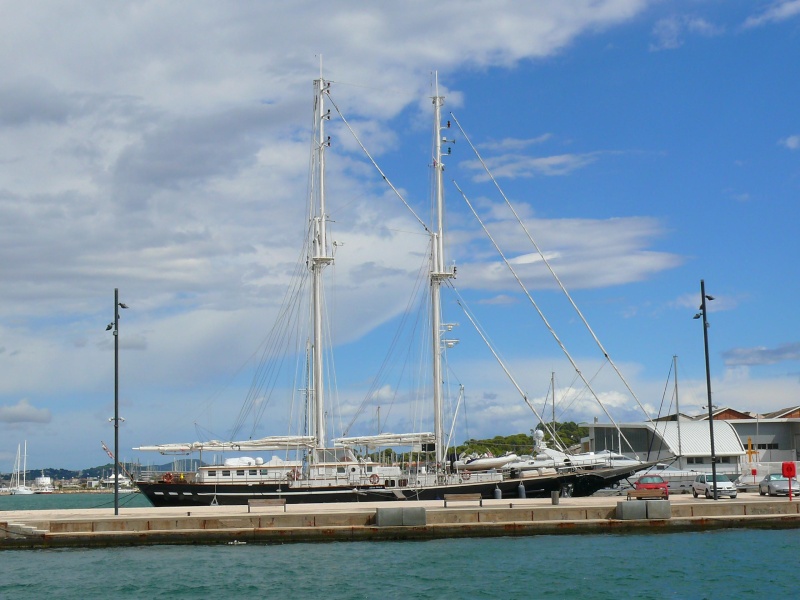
x=325 y=470
x=19 y=485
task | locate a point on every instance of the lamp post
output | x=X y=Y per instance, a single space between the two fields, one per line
x=702 y=313
x=115 y=326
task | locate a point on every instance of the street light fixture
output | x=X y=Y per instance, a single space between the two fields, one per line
x=115 y=327
x=703 y=313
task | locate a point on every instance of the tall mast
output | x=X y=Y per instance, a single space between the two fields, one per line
x=320 y=256
x=677 y=407
x=438 y=274
x=553 y=386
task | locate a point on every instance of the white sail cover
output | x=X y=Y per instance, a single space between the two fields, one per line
x=268 y=443
x=387 y=439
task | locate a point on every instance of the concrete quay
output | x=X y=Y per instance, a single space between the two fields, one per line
x=387 y=521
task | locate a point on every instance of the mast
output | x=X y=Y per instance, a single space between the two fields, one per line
x=320 y=256
x=438 y=274
x=17 y=465
x=553 y=386
x=677 y=408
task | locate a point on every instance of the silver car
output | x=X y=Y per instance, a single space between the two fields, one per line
x=776 y=484
x=704 y=484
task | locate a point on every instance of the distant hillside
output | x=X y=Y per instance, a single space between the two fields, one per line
x=190 y=464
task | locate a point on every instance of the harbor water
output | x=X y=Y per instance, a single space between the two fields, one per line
x=741 y=563
x=677 y=565
x=71 y=500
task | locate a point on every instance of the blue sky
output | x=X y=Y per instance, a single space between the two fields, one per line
x=163 y=149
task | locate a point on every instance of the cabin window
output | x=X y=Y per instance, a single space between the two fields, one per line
x=340 y=470
x=226 y=473
x=369 y=469
x=212 y=473
x=240 y=472
x=263 y=472
x=252 y=472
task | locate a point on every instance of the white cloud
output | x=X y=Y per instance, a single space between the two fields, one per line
x=24 y=412
x=761 y=355
x=670 y=32
x=571 y=248
x=499 y=299
x=513 y=165
x=777 y=12
x=792 y=142
x=164 y=151
x=514 y=144
x=691 y=301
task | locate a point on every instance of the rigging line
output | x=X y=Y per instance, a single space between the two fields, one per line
x=561 y=416
x=448 y=372
x=451 y=373
x=332 y=400
x=455 y=417
x=262 y=348
x=379 y=377
x=259 y=395
x=578 y=395
x=663 y=397
x=541 y=315
x=547 y=426
x=567 y=393
x=500 y=361
x=372 y=160
x=266 y=373
x=552 y=272
x=550 y=385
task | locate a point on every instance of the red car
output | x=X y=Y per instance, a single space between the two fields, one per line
x=652 y=482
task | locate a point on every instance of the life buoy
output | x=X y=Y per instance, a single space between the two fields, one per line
x=373 y=479
x=465 y=475
x=294 y=474
x=167 y=478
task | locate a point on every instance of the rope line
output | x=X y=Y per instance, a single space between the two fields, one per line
x=550 y=268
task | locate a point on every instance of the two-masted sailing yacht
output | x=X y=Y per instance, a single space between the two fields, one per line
x=324 y=470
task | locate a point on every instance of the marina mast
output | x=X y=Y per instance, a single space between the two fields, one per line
x=320 y=257
x=438 y=274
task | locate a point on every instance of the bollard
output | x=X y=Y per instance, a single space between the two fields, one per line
x=554 y=497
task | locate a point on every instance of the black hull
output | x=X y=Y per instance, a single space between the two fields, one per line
x=199 y=494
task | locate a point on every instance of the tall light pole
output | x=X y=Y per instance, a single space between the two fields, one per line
x=702 y=313
x=115 y=326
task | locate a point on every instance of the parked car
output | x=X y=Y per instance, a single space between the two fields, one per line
x=776 y=484
x=652 y=482
x=704 y=484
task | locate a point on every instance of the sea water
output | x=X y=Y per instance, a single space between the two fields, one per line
x=742 y=563
x=70 y=501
